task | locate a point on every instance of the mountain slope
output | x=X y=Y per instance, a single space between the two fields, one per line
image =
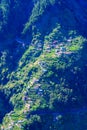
x=43 y=64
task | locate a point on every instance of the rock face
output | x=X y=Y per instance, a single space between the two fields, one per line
x=43 y=64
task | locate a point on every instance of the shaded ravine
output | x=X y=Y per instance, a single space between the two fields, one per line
x=5 y=106
x=73 y=111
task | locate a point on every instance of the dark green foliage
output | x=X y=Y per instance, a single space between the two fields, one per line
x=43 y=64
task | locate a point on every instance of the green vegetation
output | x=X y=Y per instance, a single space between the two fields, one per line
x=77 y=43
x=37 y=11
x=43 y=63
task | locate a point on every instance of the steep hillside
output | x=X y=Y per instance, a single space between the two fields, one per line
x=43 y=65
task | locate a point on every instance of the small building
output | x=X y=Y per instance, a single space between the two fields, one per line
x=25 y=98
x=48 y=47
x=35 y=81
x=55 y=42
x=36 y=87
x=63 y=49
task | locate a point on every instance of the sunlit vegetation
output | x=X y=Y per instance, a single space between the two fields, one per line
x=43 y=64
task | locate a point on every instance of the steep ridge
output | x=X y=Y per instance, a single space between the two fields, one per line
x=43 y=64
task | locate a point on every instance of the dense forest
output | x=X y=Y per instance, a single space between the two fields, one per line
x=43 y=65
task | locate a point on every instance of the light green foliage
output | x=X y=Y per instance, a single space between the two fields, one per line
x=47 y=76
x=55 y=34
x=37 y=11
x=77 y=43
x=4 y=10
